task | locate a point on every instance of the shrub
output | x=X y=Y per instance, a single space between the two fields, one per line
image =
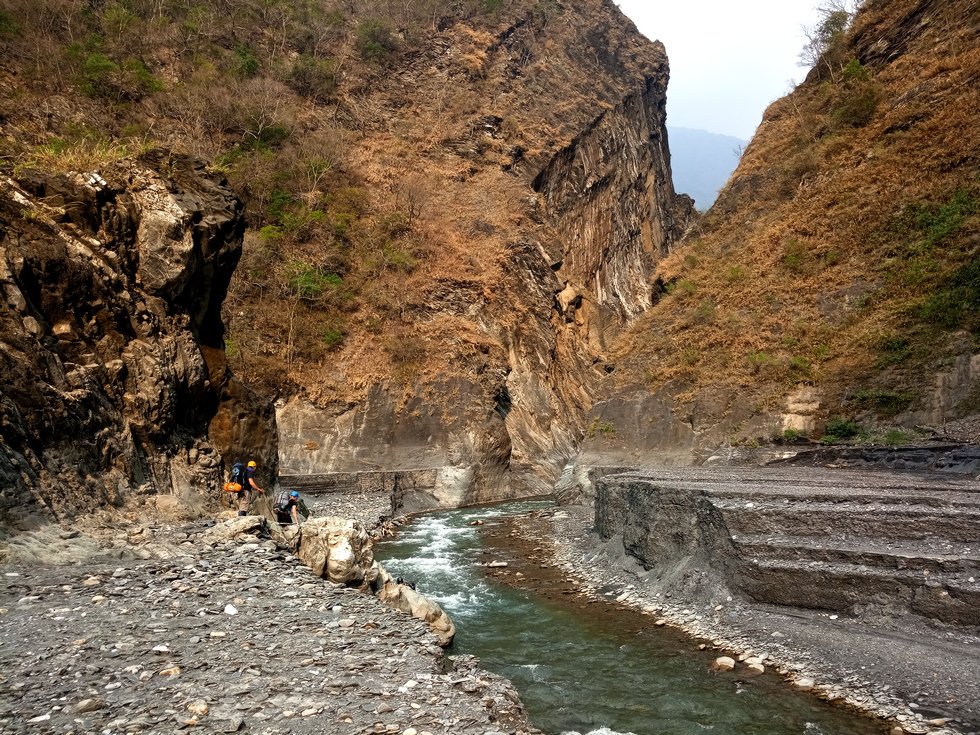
x=883 y=402
x=279 y=199
x=857 y=105
x=316 y=78
x=896 y=437
x=374 y=39
x=690 y=356
x=894 y=349
x=759 y=359
x=333 y=338
x=855 y=72
x=705 y=312
x=7 y=25
x=792 y=435
x=603 y=427
x=140 y=77
x=117 y=19
x=684 y=286
x=795 y=255
x=800 y=366
x=97 y=75
x=309 y=282
x=839 y=429
x=957 y=300
x=246 y=64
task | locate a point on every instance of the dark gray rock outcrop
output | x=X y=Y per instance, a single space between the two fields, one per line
x=116 y=387
x=872 y=544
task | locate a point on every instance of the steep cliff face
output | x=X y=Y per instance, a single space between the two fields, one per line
x=833 y=286
x=559 y=248
x=116 y=389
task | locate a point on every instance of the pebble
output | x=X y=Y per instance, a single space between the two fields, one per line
x=153 y=639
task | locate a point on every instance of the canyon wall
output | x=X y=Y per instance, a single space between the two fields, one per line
x=600 y=216
x=116 y=391
x=830 y=293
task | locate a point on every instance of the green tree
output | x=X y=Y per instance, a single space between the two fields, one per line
x=825 y=39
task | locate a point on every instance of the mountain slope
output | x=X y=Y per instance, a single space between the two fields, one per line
x=452 y=209
x=837 y=274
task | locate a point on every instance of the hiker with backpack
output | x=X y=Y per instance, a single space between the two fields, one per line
x=242 y=483
x=286 y=507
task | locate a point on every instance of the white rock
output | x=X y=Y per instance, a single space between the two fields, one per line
x=722 y=663
x=231 y=610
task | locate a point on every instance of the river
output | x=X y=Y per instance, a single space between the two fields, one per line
x=585 y=669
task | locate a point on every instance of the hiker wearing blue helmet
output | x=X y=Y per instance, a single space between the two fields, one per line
x=287 y=507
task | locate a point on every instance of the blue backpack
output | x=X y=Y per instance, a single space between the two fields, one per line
x=238 y=473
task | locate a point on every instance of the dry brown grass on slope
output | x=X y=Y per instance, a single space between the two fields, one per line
x=835 y=234
x=373 y=176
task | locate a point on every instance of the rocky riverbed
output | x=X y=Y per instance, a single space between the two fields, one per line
x=128 y=626
x=915 y=678
x=173 y=627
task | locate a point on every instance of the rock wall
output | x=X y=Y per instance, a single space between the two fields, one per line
x=882 y=544
x=116 y=388
x=579 y=274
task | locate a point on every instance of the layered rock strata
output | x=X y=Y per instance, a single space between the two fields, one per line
x=882 y=544
x=116 y=390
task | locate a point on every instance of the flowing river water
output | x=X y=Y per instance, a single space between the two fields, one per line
x=587 y=669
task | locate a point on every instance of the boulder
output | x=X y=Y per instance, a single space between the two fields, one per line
x=404 y=598
x=722 y=663
x=235 y=527
x=341 y=551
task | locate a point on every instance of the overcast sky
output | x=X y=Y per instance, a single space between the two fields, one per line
x=728 y=59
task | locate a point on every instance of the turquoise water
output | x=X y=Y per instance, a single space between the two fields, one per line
x=583 y=673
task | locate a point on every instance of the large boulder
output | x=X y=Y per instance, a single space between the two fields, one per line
x=402 y=597
x=341 y=551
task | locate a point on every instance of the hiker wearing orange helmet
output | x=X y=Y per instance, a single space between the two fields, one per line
x=246 y=496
